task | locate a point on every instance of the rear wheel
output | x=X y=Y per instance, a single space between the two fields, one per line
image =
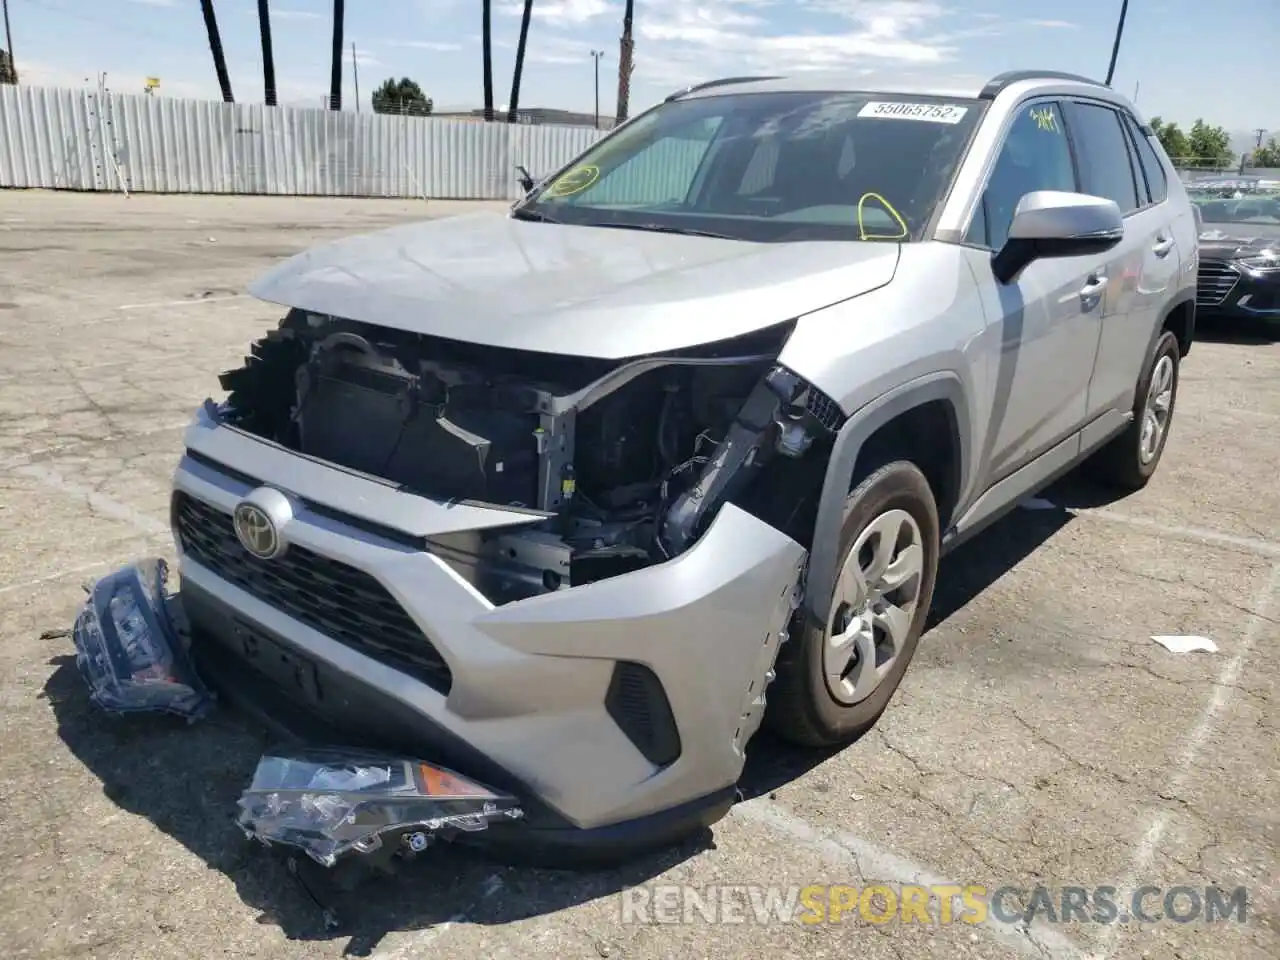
x=834 y=679
x=1130 y=460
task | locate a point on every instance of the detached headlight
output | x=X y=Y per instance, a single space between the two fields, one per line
x=129 y=651
x=329 y=801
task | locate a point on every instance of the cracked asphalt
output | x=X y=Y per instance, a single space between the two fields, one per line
x=1040 y=738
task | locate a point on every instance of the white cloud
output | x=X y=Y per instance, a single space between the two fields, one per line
x=296 y=15
x=681 y=42
x=437 y=46
x=1054 y=24
x=559 y=11
x=156 y=3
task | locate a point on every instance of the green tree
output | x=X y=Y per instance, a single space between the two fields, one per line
x=1172 y=139
x=7 y=74
x=401 y=96
x=1210 y=146
x=1266 y=156
x=1203 y=146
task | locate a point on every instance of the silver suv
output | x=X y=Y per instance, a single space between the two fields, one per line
x=556 y=496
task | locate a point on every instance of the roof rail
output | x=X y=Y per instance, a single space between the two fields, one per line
x=722 y=82
x=999 y=82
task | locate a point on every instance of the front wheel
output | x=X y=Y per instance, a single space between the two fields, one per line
x=834 y=679
x=1130 y=460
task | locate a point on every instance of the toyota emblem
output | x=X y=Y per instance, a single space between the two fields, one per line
x=256 y=531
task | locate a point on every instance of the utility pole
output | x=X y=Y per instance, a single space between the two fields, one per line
x=626 y=51
x=1115 y=49
x=1245 y=156
x=355 y=74
x=8 y=43
x=1136 y=87
x=596 y=55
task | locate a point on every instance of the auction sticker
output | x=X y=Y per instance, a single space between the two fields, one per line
x=928 y=112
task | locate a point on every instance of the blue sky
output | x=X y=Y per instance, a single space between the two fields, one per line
x=1184 y=59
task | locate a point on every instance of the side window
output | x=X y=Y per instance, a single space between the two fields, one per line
x=1035 y=156
x=1157 y=179
x=1105 y=167
x=1139 y=178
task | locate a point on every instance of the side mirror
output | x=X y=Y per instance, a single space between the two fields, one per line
x=525 y=178
x=1048 y=223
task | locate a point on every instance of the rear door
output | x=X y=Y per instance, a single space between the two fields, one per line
x=1141 y=269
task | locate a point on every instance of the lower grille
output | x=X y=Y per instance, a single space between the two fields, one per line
x=343 y=603
x=1214 y=282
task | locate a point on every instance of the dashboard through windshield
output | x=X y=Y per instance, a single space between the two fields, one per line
x=770 y=167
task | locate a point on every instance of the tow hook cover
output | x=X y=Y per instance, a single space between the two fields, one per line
x=128 y=649
x=329 y=801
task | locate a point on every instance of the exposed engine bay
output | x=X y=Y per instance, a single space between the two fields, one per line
x=618 y=464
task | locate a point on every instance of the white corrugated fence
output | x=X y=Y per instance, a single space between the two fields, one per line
x=92 y=140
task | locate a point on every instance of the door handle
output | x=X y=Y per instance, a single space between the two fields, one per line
x=1162 y=246
x=1093 y=286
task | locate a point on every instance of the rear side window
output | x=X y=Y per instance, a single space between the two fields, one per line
x=1106 y=169
x=1035 y=156
x=1152 y=168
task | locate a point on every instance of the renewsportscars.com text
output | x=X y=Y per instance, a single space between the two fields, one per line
x=937 y=904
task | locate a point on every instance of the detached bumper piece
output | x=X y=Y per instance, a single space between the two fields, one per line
x=329 y=802
x=129 y=650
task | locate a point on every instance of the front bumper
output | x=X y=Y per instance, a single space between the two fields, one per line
x=616 y=712
x=1229 y=290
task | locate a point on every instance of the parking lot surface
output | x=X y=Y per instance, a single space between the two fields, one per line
x=1040 y=737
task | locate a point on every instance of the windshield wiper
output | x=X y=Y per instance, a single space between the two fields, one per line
x=664 y=228
x=534 y=216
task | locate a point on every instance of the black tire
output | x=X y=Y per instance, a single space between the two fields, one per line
x=1120 y=464
x=802 y=708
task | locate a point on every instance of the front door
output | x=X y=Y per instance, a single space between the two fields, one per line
x=1043 y=326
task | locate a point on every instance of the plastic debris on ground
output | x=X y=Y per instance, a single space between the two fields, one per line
x=1038 y=503
x=1186 y=644
x=129 y=650
x=329 y=802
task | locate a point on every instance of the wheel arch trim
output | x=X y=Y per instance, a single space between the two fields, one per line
x=945 y=386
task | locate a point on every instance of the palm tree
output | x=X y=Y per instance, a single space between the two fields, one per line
x=626 y=46
x=215 y=47
x=335 y=69
x=486 y=37
x=519 y=71
x=268 y=55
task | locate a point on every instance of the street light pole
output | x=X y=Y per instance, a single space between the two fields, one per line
x=1115 y=49
x=596 y=55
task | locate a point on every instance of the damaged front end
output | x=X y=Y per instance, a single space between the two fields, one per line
x=565 y=577
x=617 y=465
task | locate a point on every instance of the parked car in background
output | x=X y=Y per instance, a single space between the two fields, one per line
x=1239 y=273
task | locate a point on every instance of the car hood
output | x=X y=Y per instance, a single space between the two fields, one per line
x=586 y=291
x=1231 y=241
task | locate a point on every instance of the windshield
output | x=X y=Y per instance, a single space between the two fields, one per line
x=1235 y=206
x=770 y=167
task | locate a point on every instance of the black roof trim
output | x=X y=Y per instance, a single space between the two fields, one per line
x=999 y=82
x=722 y=82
